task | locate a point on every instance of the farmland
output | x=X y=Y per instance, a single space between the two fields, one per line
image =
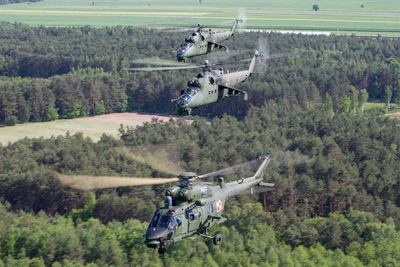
x=340 y=16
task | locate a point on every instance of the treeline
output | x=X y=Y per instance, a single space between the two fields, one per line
x=249 y=239
x=45 y=71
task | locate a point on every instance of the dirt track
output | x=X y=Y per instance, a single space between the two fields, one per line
x=129 y=118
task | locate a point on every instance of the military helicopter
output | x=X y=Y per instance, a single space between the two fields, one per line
x=210 y=85
x=191 y=208
x=203 y=42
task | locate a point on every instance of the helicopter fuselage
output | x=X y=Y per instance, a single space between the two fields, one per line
x=208 y=87
x=202 y=42
x=192 y=210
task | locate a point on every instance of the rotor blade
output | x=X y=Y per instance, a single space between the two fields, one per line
x=287 y=159
x=164 y=158
x=86 y=182
x=279 y=55
x=287 y=54
x=247 y=166
x=158 y=61
x=219 y=56
x=277 y=160
x=164 y=68
x=178 y=30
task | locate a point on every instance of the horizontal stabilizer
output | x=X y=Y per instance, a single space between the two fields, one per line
x=267 y=184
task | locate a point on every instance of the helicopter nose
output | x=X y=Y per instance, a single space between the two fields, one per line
x=181 y=54
x=180 y=104
x=155 y=233
x=183 y=101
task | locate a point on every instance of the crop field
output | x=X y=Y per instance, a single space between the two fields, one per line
x=92 y=127
x=341 y=16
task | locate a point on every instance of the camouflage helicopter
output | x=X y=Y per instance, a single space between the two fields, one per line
x=203 y=42
x=210 y=85
x=191 y=209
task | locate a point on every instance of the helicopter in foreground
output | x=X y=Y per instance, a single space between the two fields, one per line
x=191 y=208
x=203 y=42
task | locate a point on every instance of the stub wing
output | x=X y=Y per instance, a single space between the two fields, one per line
x=231 y=92
x=212 y=46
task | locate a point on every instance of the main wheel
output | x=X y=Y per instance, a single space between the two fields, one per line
x=217 y=239
x=162 y=250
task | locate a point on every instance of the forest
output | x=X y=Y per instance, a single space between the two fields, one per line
x=48 y=73
x=339 y=208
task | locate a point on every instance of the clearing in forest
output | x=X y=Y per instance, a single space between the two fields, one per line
x=92 y=127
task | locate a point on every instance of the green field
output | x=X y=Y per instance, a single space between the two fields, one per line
x=341 y=16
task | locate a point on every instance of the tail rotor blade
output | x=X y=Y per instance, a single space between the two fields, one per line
x=263 y=49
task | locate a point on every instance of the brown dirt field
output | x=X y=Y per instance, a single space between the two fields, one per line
x=129 y=118
x=92 y=127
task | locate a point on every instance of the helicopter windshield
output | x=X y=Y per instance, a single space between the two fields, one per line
x=191 y=90
x=188 y=39
x=184 y=100
x=166 y=222
x=187 y=45
x=155 y=219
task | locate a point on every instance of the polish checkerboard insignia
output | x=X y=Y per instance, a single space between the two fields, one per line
x=218 y=204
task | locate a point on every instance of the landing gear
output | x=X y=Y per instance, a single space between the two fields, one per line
x=183 y=112
x=217 y=239
x=162 y=250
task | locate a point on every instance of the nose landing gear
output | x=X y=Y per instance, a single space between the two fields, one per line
x=162 y=250
x=185 y=112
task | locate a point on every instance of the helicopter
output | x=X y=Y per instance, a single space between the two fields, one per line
x=203 y=42
x=210 y=85
x=191 y=208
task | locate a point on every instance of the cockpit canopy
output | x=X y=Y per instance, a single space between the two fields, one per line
x=189 y=39
x=187 y=44
x=162 y=221
x=191 y=90
x=195 y=82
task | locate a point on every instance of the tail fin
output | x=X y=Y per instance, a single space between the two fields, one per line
x=263 y=187
x=253 y=62
x=257 y=54
x=235 y=23
x=259 y=173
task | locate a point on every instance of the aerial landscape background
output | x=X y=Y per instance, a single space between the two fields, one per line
x=68 y=105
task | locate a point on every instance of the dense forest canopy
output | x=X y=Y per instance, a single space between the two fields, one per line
x=340 y=207
x=49 y=73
